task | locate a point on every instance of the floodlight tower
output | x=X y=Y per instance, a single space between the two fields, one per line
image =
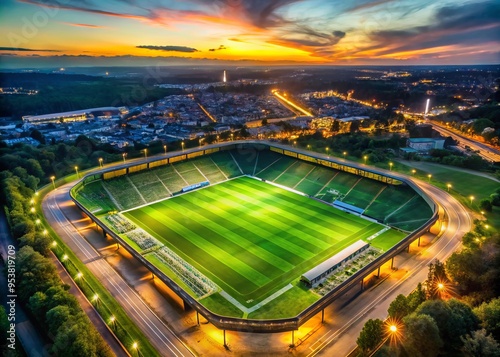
x=427 y=107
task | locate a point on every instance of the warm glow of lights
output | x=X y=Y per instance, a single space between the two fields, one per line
x=292 y=104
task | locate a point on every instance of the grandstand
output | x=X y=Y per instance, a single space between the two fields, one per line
x=246 y=240
x=397 y=206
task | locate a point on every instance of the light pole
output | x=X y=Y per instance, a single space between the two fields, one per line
x=327 y=149
x=217 y=138
x=345 y=153
x=165 y=149
x=390 y=166
x=123 y=155
x=77 y=175
x=53 y=183
x=449 y=186
x=100 y=162
x=145 y=153
x=429 y=176
x=232 y=137
x=136 y=347
x=365 y=158
x=182 y=144
x=471 y=199
x=112 y=319
x=413 y=172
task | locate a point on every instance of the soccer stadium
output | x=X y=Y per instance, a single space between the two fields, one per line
x=239 y=231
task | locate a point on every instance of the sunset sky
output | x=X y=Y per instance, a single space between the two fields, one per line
x=124 y=32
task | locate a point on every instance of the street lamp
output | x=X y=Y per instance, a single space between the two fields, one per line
x=232 y=137
x=345 y=153
x=112 y=319
x=100 y=162
x=449 y=186
x=390 y=166
x=123 y=155
x=365 y=158
x=165 y=149
x=413 y=171
x=429 y=176
x=53 y=183
x=327 y=149
x=79 y=275
x=145 y=153
x=65 y=257
x=45 y=232
x=182 y=144
x=136 y=347
x=37 y=221
x=217 y=138
x=471 y=199
x=76 y=169
x=32 y=210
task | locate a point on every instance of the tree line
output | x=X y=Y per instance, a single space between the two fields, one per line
x=39 y=288
x=456 y=312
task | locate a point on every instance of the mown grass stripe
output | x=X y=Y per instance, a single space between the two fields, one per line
x=255 y=233
x=315 y=221
x=307 y=205
x=217 y=252
x=247 y=275
x=253 y=255
x=255 y=209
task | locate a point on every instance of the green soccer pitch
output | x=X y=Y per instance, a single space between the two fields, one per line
x=252 y=238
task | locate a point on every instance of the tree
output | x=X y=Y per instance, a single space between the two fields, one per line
x=489 y=314
x=371 y=335
x=399 y=307
x=35 y=134
x=486 y=205
x=421 y=336
x=479 y=344
x=437 y=275
x=56 y=317
x=4 y=325
x=416 y=297
x=264 y=122
x=462 y=321
x=441 y=314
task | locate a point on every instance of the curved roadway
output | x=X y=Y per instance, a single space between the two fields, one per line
x=60 y=210
x=337 y=337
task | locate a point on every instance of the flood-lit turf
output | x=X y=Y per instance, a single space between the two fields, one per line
x=250 y=237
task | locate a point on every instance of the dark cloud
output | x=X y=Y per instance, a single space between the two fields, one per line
x=25 y=49
x=307 y=37
x=221 y=47
x=474 y=22
x=169 y=48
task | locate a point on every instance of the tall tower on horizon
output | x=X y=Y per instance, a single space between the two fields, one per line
x=224 y=77
x=427 y=106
